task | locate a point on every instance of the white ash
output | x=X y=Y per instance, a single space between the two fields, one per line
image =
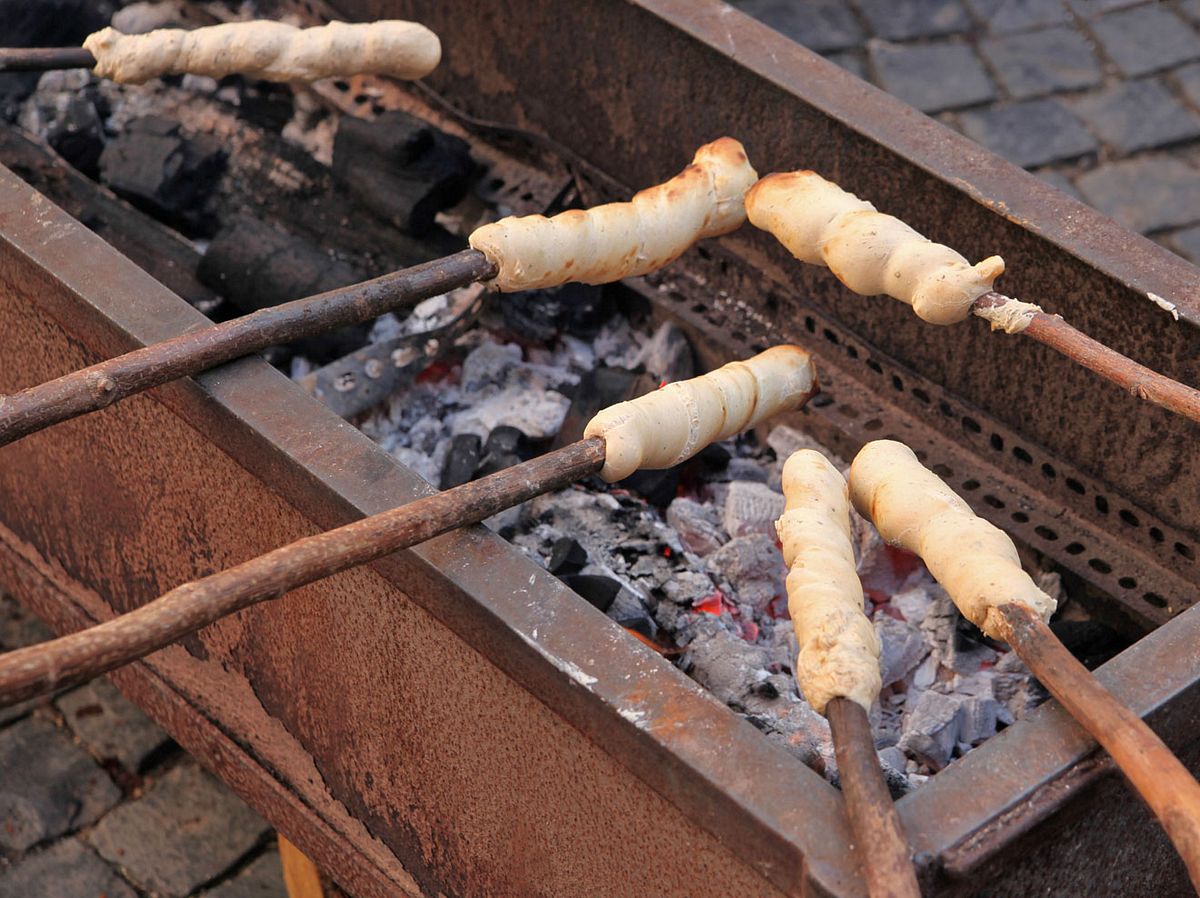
x=704 y=577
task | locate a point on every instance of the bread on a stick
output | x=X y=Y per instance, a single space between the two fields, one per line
x=669 y=426
x=868 y=251
x=839 y=651
x=974 y=561
x=620 y=240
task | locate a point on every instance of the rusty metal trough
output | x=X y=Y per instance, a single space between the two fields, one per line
x=453 y=721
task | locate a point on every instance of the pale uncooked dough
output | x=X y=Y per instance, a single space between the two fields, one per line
x=668 y=426
x=272 y=51
x=869 y=252
x=839 y=651
x=1012 y=316
x=619 y=240
x=975 y=562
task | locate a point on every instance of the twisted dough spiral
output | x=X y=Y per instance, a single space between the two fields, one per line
x=869 y=252
x=273 y=51
x=839 y=651
x=975 y=562
x=619 y=240
x=668 y=426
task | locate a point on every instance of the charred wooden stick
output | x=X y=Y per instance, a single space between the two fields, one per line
x=272 y=51
x=838 y=663
x=873 y=253
x=1053 y=331
x=592 y=246
x=658 y=430
x=882 y=846
x=978 y=566
x=102 y=384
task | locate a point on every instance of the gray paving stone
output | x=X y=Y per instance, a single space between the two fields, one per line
x=110 y=725
x=1146 y=194
x=185 y=831
x=932 y=77
x=1059 y=181
x=1146 y=39
x=1007 y=16
x=820 y=25
x=48 y=785
x=1189 y=81
x=1042 y=62
x=1032 y=133
x=1137 y=115
x=18 y=628
x=851 y=62
x=262 y=879
x=1187 y=243
x=67 y=869
x=1093 y=8
x=902 y=20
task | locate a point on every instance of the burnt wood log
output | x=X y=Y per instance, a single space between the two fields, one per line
x=154 y=248
x=255 y=265
x=401 y=168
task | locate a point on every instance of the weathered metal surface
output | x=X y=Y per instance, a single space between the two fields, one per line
x=655 y=78
x=450 y=720
x=319 y=709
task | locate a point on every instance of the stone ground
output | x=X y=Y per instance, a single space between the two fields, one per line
x=97 y=802
x=1099 y=97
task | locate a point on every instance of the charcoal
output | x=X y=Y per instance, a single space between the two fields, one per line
x=668 y=355
x=577 y=309
x=913 y=604
x=597 y=389
x=461 y=461
x=956 y=649
x=504 y=439
x=698 y=525
x=256 y=265
x=656 y=487
x=488 y=364
x=1090 y=641
x=43 y=23
x=596 y=589
x=629 y=610
x=753 y=566
x=725 y=663
x=537 y=413
x=77 y=135
x=747 y=469
x=902 y=648
x=932 y=730
x=752 y=508
x=402 y=169
x=157 y=168
x=567 y=557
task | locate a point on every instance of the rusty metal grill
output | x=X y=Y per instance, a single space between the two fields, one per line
x=241 y=462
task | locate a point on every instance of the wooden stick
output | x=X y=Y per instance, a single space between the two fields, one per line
x=44 y=59
x=1142 y=382
x=94 y=388
x=72 y=659
x=301 y=878
x=883 y=850
x=1171 y=792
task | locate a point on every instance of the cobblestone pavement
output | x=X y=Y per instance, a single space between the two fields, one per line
x=1099 y=97
x=97 y=802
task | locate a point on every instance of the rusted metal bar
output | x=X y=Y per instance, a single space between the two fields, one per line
x=72 y=659
x=44 y=59
x=883 y=850
x=1138 y=380
x=100 y=385
x=1158 y=776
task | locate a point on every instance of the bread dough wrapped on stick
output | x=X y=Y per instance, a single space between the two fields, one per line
x=839 y=651
x=975 y=561
x=619 y=240
x=272 y=51
x=669 y=426
x=868 y=251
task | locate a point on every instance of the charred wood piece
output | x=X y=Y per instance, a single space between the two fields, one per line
x=402 y=169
